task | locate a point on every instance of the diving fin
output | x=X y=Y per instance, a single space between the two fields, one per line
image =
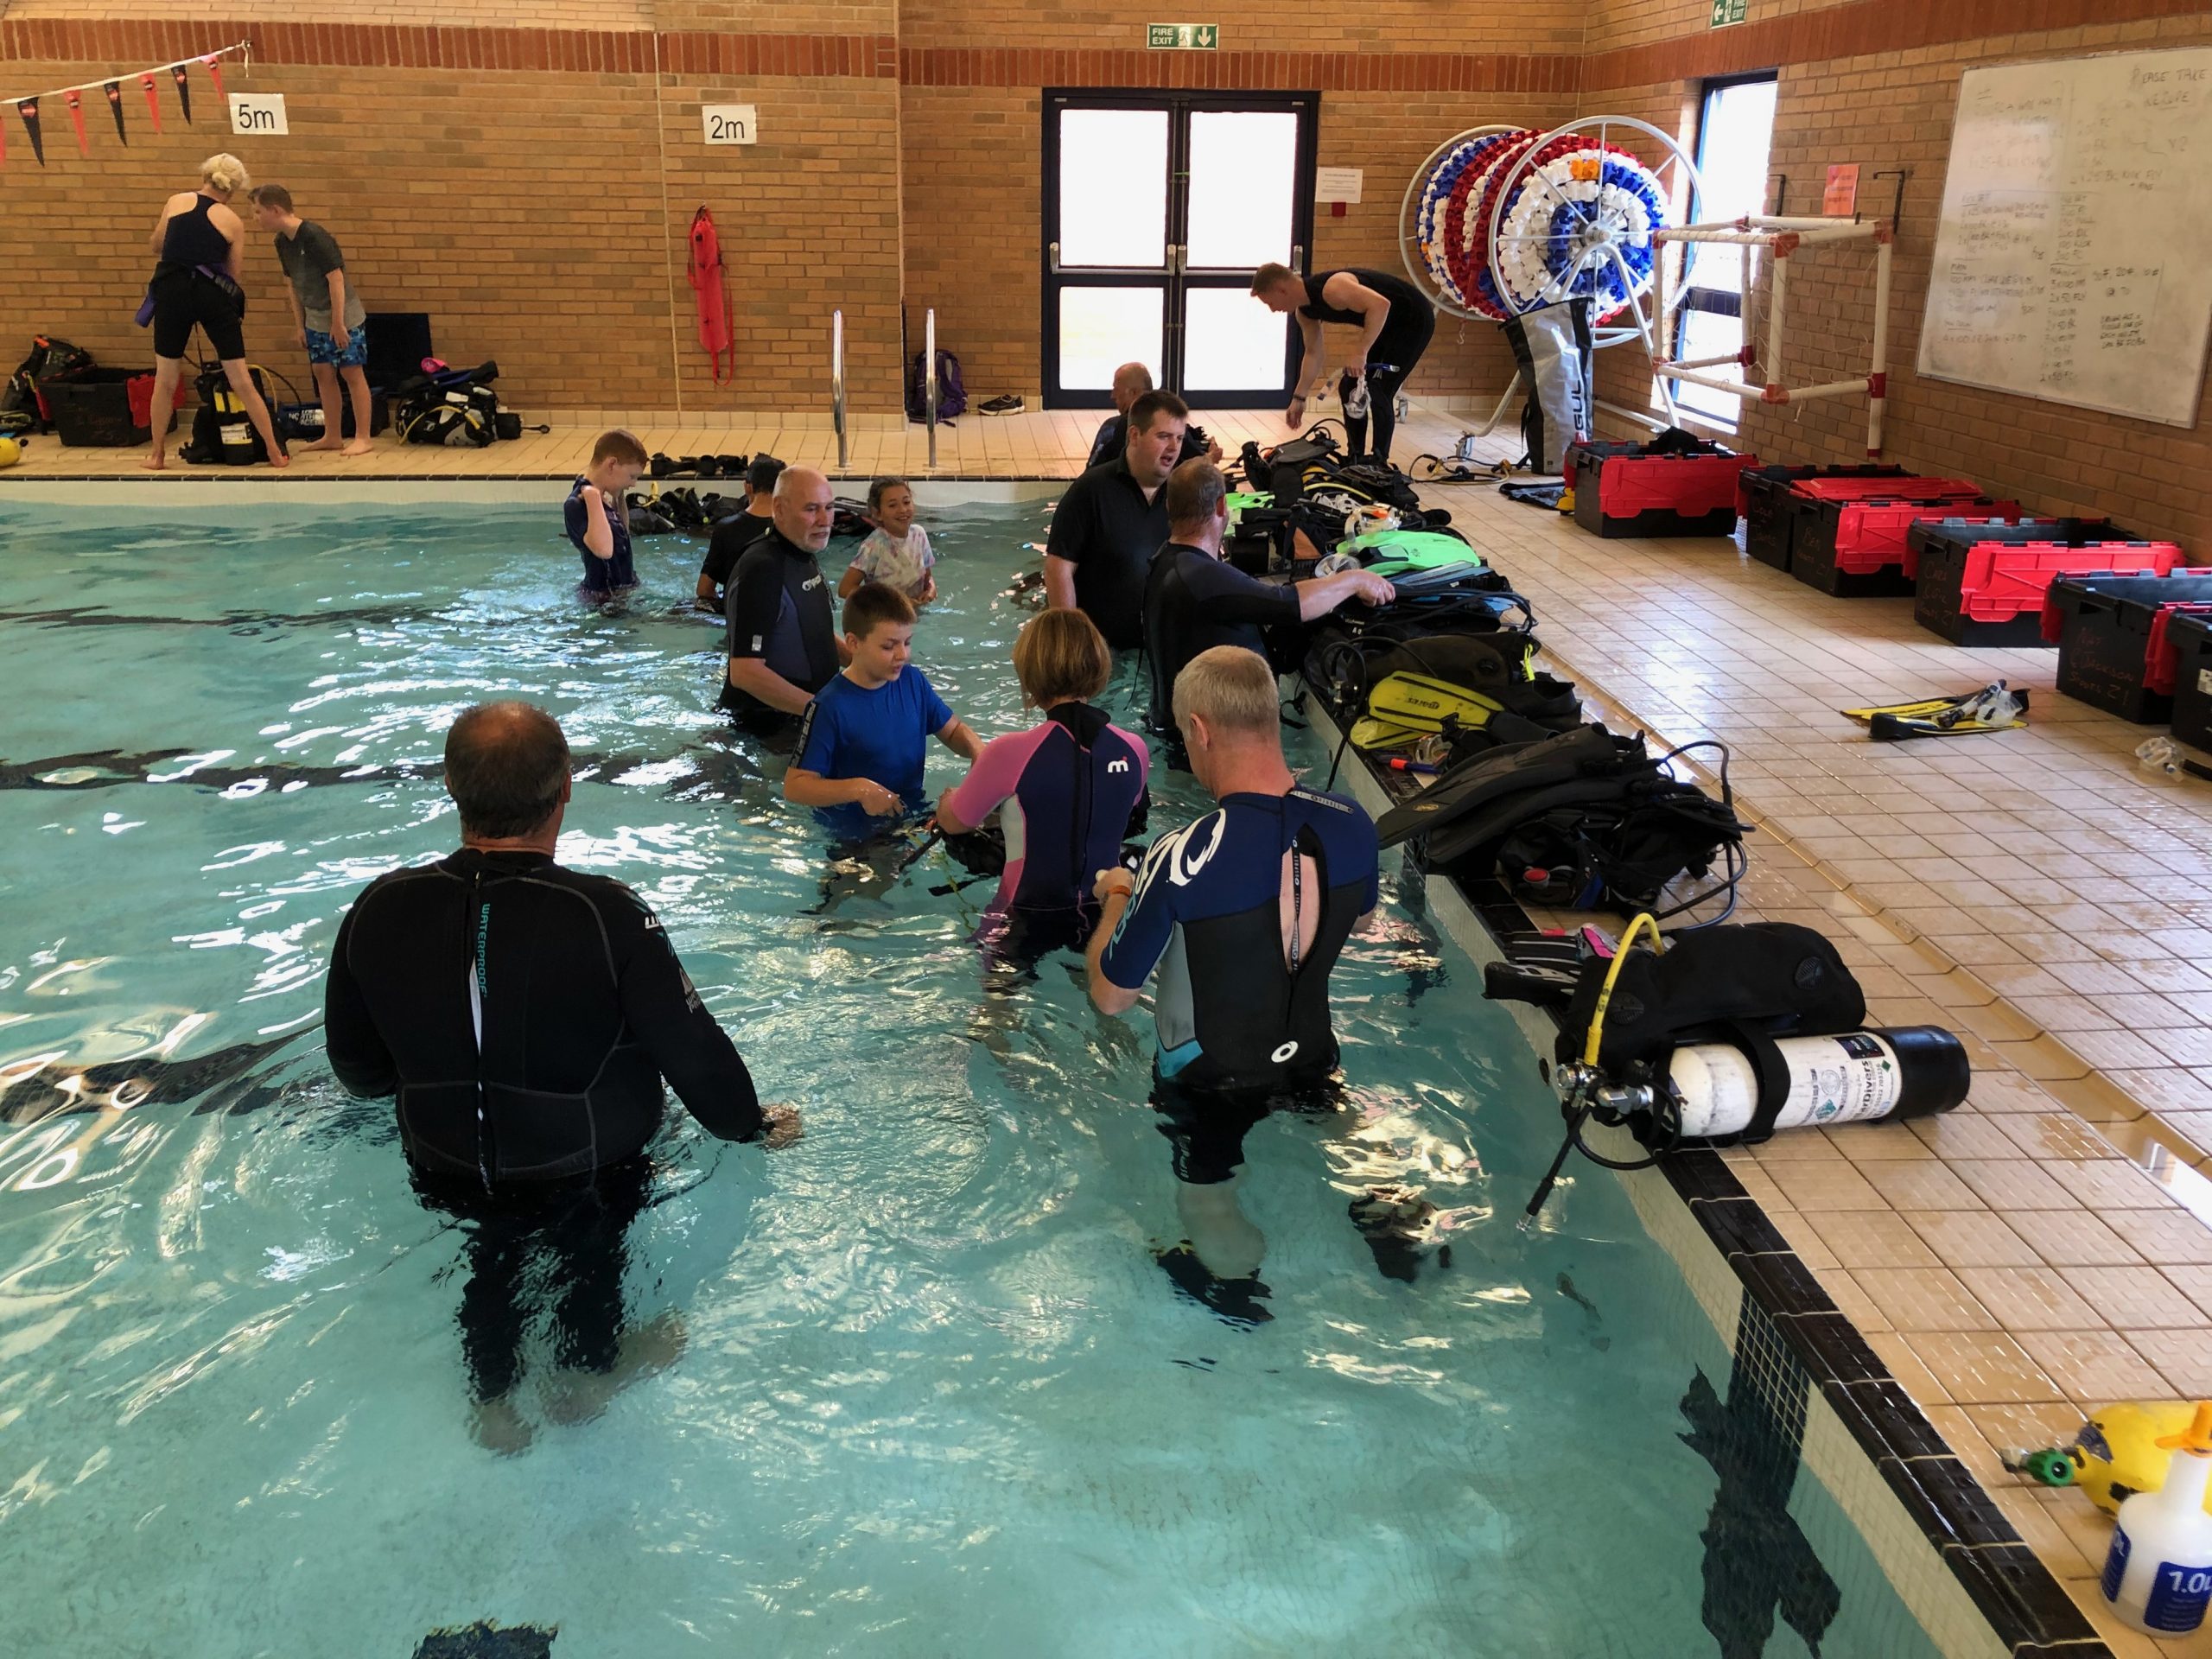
x=1927 y=707
x=1993 y=709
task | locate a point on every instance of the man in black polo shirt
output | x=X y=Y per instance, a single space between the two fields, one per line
x=733 y=535
x=784 y=645
x=1131 y=382
x=1112 y=520
x=1194 y=601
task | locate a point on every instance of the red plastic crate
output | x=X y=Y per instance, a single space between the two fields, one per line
x=1871 y=534
x=2000 y=582
x=1689 y=487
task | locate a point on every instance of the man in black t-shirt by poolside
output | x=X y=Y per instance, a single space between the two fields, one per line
x=1131 y=382
x=1112 y=520
x=732 y=535
x=1194 y=601
x=783 y=644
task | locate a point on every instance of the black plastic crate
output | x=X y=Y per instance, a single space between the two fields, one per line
x=1770 y=521
x=394 y=344
x=2104 y=640
x=90 y=409
x=2192 y=641
x=1938 y=603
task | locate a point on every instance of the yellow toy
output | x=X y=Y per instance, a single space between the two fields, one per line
x=11 y=452
x=2116 y=1454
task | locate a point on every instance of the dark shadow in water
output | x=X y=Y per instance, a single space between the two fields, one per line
x=717 y=771
x=228 y=1078
x=1757 y=1559
x=484 y=1640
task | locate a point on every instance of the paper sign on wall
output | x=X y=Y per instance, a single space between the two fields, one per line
x=730 y=124
x=1338 y=183
x=258 y=114
x=1841 y=199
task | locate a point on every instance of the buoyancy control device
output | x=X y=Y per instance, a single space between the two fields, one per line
x=1725 y=1033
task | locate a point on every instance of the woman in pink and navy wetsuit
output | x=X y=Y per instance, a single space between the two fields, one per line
x=1067 y=792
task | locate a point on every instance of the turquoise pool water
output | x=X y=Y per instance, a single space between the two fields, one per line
x=938 y=1395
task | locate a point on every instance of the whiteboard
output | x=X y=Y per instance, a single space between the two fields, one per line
x=2074 y=257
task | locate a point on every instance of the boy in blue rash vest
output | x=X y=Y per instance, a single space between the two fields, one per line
x=1243 y=914
x=866 y=733
x=598 y=520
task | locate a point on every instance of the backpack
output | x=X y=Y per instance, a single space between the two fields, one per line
x=50 y=358
x=951 y=389
x=456 y=408
x=222 y=436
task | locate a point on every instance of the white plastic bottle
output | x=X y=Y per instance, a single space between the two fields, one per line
x=2158 y=1574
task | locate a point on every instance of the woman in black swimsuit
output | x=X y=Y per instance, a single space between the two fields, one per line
x=198 y=242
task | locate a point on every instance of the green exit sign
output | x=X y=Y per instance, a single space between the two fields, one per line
x=1187 y=37
x=1726 y=12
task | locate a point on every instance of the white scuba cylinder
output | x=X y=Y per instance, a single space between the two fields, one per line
x=2157 y=1574
x=1853 y=1077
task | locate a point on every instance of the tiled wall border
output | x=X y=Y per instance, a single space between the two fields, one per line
x=1904 y=1467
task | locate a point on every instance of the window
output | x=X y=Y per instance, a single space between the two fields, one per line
x=1735 y=130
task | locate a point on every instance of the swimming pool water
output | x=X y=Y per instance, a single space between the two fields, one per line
x=938 y=1395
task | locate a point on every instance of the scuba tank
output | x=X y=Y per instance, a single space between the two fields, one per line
x=2116 y=1454
x=2158 y=1574
x=1854 y=1076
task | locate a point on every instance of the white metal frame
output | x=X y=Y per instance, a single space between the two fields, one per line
x=1780 y=238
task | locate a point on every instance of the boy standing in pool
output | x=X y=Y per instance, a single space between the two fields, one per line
x=597 y=518
x=866 y=733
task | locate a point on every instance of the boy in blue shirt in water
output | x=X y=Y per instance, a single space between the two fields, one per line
x=865 y=733
x=597 y=518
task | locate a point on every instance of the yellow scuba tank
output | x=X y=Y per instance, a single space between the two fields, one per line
x=2116 y=1453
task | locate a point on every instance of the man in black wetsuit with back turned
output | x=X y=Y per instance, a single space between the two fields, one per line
x=524 y=1015
x=784 y=645
x=733 y=535
x=1395 y=323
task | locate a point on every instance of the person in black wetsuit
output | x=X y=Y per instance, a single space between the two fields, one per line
x=198 y=243
x=784 y=642
x=736 y=533
x=1243 y=914
x=1395 y=323
x=524 y=1016
x=1131 y=382
x=1194 y=600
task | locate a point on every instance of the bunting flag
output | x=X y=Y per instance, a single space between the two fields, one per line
x=72 y=98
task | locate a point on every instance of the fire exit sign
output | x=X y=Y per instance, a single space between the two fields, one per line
x=1183 y=37
x=1726 y=12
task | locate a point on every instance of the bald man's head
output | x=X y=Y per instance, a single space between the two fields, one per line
x=805 y=507
x=506 y=768
x=1131 y=382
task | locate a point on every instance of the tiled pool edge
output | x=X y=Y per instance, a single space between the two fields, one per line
x=1911 y=1499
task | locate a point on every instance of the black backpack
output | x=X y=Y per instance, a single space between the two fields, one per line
x=222 y=436
x=50 y=358
x=951 y=389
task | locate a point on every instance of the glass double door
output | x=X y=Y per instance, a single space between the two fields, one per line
x=1158 y=206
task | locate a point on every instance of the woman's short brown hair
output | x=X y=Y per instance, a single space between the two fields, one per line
x=1059 y=655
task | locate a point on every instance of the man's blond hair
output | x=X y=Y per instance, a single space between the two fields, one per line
x=1231 y=688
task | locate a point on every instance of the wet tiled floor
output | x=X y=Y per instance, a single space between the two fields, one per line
x=2046 y=1248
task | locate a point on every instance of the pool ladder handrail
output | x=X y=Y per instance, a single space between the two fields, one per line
x=837 y=382
x=929 y=379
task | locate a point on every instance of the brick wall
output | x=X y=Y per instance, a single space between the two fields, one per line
x=1886 y=108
